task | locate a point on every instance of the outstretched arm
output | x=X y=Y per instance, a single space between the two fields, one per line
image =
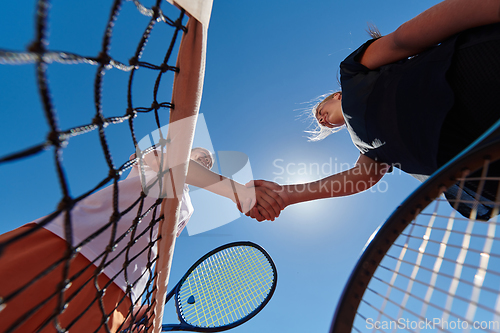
x=365 y=173
x=430 y=28
x=245 y=198
x=362 y=176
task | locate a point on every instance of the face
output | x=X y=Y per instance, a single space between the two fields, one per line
x=329 y=113
x=202 y=157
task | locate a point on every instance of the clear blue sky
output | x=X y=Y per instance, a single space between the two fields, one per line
x=266 y=61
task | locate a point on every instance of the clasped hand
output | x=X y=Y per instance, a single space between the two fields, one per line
x=270 y=200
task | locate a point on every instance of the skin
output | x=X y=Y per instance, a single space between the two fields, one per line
x=429 y=28
x=361 y=177
x=329 y=113
x=199 y=175
x=423 y=31
x=245 y=198
x=201 y=156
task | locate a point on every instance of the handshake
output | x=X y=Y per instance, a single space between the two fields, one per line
x=261 y=200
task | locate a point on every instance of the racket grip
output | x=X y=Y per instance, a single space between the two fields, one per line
x=173 y=327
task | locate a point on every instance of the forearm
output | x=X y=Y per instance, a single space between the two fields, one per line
x=361 y=177
x=201 y=177
x=338 y=185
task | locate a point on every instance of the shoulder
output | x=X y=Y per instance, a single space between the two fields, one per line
x=430 y=28
x=352 y=63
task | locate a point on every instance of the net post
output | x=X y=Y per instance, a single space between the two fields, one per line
x=187 y=91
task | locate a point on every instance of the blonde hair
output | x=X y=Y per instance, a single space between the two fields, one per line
x=321 y=132
x=373 y=31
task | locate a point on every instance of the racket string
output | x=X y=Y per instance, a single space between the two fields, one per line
x=438 y=256
x=216 y=284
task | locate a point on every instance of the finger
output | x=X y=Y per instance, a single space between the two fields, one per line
x=265 y=207
x=278 y=199
x=255 y=214
x=251 y=213
x=250 y=184
x=247 y=205
x=267 y=215
x=268 y=202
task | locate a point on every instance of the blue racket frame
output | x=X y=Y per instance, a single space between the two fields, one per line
x=184 y=326
x=383 y=238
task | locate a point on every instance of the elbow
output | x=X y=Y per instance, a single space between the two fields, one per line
x=369 y=179
x=398 y=41
x=405 y=43
x=357 y=185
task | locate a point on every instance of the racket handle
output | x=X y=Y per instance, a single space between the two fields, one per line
x=170 y=294
x=174 y=327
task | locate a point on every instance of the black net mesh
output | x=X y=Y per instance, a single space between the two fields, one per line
x=71 y=292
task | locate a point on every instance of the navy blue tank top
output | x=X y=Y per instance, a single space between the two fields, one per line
x=395 y=113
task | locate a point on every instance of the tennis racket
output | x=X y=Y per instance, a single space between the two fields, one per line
x=223 y=289
x=428 y=268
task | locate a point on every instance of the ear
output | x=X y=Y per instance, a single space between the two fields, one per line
x=338 y=95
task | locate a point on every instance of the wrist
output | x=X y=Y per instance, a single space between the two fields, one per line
x=235 y=190
x=288 y=195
